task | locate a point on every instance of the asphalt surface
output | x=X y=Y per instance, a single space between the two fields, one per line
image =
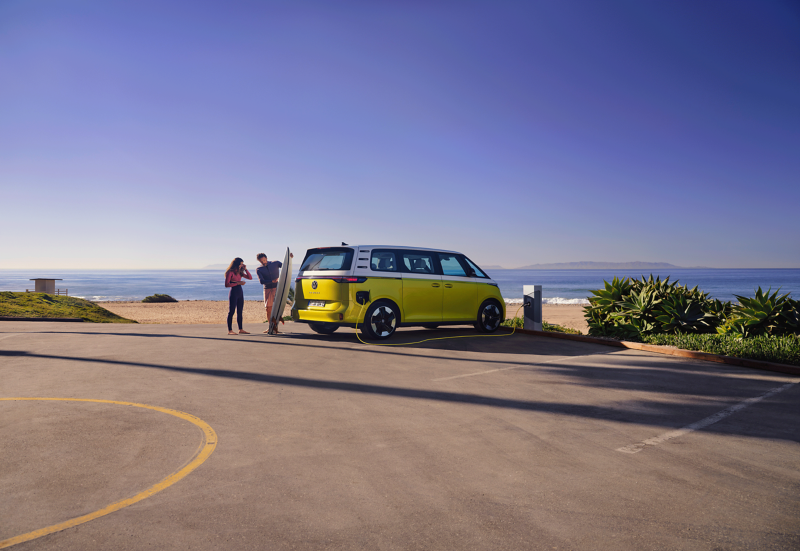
x=325 y=443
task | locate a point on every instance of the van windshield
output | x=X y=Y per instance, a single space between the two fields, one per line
x=327 y=259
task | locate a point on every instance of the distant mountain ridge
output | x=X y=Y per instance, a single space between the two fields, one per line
x=604 y=266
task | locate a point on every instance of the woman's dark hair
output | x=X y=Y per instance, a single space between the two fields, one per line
x=234 y=267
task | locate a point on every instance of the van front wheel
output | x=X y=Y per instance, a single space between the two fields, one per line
x=380 y=321
x=489 y=317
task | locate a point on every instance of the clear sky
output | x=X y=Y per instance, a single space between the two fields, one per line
x=151 y=134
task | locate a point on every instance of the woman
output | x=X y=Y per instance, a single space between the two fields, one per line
x=233 y=279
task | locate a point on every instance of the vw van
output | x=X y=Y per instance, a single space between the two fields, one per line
x=380 y=288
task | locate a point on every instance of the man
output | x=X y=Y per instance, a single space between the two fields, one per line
x=268 y=274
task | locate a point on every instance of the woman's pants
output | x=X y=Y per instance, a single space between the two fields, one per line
x=235 y=302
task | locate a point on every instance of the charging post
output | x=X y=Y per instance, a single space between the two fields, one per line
x=533 y=307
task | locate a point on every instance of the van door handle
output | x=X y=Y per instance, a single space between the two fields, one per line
x=434 y=284
x=448 y=285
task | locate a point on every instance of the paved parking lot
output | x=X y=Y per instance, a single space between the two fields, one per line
x=514 y=442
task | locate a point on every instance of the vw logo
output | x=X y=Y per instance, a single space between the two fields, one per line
x=313 y=284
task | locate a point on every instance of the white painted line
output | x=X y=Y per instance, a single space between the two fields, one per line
x=520 y=366
x=636 y=448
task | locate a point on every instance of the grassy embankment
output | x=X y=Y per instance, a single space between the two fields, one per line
x=779 y=349
x=42 y=305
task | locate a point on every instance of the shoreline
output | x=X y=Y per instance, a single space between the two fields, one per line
x=216 y=312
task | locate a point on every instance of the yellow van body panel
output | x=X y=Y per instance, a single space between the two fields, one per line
x=487 y=291
x=422 y=300
x=389 y=288
x=340 y=298
x=459 y=300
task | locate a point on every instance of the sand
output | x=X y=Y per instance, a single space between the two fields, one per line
x=211 y=311
x=187 y=311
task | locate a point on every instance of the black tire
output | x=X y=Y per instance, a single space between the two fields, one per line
x=490 y=316
x=381 y=320
x=431 y=326
x=323 y=328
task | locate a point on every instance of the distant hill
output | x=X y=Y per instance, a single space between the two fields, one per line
x=215 y=267
x=602 y=266
x=493 y=267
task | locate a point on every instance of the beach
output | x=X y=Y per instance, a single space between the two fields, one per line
x=216 y=311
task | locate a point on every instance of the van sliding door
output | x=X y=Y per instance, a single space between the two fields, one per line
x=422 y=288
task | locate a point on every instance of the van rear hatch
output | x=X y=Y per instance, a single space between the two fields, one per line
x=322 y=276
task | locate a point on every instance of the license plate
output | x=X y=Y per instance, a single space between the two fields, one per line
x=316 y=303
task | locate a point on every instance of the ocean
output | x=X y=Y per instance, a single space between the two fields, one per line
x=558 y=286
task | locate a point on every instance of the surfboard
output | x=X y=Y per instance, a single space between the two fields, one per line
x=281 y=292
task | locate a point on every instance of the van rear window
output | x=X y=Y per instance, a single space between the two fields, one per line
x=318 y=260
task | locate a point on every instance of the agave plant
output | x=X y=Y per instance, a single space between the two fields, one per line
x=604 y=304
x=718 y=312
x=637 y=311
x=735 y=327
x=768 y=314
x=684 y=315
x=628 y=308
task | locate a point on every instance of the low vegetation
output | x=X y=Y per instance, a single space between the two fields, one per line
x=519 y=322
x=631 y=309
x=159 y=298
x=42 y=305
x=783 y=349
x=762 y=327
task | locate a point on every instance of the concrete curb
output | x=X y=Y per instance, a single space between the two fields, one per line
x=11 y=318
x=670 y=351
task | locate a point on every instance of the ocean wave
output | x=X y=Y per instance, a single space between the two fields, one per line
x=554 y=300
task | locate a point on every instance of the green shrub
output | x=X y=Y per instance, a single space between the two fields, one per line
x=764 y=314
x=780 y=349
x=559 y=328
x=628 y=308
x=634 y=309
x=159 y=298
x=512 y=322
x=518 y=322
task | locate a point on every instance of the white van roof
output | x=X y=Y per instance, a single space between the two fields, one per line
x=368 y=247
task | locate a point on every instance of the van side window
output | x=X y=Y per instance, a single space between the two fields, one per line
x=383 y=261
x=451 y=266
x=471 y=265
x=418 y=263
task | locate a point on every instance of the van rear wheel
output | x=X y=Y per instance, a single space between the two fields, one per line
x=323 y=328
x=380 y=321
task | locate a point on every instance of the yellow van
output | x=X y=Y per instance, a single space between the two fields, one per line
x=381 y=288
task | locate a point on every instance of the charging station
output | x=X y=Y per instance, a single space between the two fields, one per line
x=533 y=307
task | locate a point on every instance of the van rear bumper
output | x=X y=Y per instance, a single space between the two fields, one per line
x=337 y=316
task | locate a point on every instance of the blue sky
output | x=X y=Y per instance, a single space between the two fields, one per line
x=165 y=135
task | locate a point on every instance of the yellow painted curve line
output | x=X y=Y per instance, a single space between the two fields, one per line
x=206 y=448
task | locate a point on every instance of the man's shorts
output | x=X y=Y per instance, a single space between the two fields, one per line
x=269 y=297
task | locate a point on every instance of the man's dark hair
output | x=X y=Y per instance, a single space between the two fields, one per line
x=259 y=256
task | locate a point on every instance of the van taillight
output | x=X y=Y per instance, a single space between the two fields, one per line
x=336 y=279
x=349 y=279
